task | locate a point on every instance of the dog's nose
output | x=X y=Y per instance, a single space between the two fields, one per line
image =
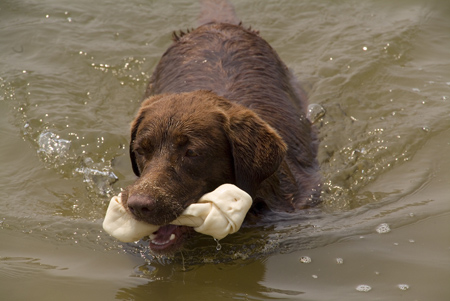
x=142 y=207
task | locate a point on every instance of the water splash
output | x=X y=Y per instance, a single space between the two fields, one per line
x=98 y=178
x=53 y=149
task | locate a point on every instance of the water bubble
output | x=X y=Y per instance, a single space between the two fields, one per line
x=305 y=259
x=383 y=228
x=363 y=288
x=339 y=260
x=403 y=287
x=315 y=112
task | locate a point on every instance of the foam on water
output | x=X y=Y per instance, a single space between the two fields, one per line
x=403 y=287
x=383 y=228
x=305 y=259
x=363 y=288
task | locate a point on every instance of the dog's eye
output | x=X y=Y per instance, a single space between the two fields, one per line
x=191 y=153
x=140 y=151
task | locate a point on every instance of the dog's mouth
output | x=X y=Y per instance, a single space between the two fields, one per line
x=167 y=238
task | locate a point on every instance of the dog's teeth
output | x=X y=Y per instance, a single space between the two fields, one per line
x=153 y=239
x=160 y=243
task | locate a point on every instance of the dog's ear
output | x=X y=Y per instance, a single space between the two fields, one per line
x=135 y=126
x=257 y=148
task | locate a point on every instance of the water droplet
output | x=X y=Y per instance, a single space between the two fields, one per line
x=305 y=259
x=383 y=228
x=219 y=246
x=363 y=288
x=403 y=287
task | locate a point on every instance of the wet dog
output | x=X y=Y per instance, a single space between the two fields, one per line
x=221 y=107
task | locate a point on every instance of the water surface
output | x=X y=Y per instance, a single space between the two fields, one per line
x=73 y=74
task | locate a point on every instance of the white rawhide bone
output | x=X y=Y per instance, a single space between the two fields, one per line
x=218 y=213
x=119 y=223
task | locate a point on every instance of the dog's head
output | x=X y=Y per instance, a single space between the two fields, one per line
x=185 y=145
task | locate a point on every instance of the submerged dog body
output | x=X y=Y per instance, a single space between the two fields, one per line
x=221 y=107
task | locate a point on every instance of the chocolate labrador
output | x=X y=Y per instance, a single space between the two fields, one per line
x=221 y=107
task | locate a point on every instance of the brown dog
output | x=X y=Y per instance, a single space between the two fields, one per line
x=221 y=107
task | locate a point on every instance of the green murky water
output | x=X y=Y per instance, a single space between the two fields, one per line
x=72 y=76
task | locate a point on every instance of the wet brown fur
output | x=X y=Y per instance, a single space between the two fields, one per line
x=221 y=107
